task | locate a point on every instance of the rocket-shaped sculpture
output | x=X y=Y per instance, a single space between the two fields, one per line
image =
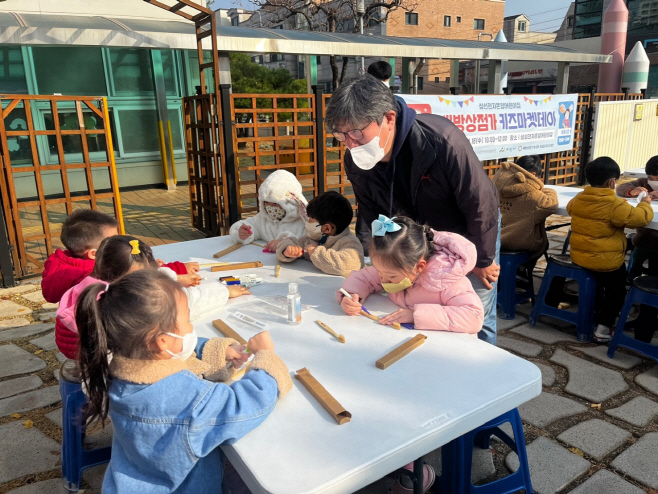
x=636 y=69
x=500 y=38
x=613 y=42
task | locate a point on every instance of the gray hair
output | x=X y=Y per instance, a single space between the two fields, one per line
x=358 y=102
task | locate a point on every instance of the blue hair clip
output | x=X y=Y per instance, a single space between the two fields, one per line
x=384 y=225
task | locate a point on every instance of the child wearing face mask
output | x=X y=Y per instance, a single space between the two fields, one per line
x=424 y=273
x=118 y=256
x=280 y=213
x=598 y=240
x=169 y=418
x=328 y=244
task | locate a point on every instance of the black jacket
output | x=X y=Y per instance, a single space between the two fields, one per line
x=433 y=177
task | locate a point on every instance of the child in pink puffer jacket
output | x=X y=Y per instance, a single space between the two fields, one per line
x=424 y=272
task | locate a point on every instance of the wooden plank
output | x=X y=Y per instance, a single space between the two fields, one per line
x=228 y=332
x=238 y=265
x=226 y=251
x=328 y=402
x=406 y=347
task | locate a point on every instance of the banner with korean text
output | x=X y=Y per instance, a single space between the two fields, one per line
x=500 y=126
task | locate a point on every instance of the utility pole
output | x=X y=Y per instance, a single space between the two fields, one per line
x=361 y=11
x=476 y=89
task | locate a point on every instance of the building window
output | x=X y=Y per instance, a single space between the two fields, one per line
x=420 y=83
x=411 y=19
x=446 y=21
x=570 y=21
x=280 y=26
x=12 y=71
x=459 y=19
x=257 y=59
x=235 y=21
x=437 y=79
x=521 y=27
x=71 y=70
x=478 y=24
x=447 y=79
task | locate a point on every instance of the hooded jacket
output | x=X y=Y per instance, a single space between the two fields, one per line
x=524 y=207
x=646 y=238
x=202 y=300
x=276 y=188
x=598 y=219
x=61 y=272
x=433 y=177
x=441 y=297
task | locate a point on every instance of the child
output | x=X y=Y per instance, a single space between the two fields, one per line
x=329 y=244
x=524 y=206
x=118 y=256
x=281 y=210
x=424 y=272
x=82 y=233
x=168 y=420
x=598 y=242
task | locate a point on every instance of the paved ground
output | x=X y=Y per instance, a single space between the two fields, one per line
x=592 y=430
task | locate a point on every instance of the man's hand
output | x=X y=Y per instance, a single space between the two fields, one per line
x=244 y=232
x=293 y=252
x=488 y=275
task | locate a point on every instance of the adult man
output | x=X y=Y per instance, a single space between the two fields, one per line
x=421 y=166
x=381 y=70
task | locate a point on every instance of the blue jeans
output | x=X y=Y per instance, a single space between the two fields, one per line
x=489 y=299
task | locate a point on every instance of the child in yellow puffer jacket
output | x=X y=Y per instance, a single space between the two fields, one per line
x=598 y=241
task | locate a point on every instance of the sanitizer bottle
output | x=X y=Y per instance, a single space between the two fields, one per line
x=294 y=304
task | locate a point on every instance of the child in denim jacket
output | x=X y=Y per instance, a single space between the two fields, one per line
x=169 y=418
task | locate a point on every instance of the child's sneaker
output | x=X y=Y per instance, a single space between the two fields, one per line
x=404 y=485
x=602 y=333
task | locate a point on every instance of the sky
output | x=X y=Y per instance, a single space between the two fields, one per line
x=544 y=16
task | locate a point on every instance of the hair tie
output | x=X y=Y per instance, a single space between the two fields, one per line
x=107 y=288
x=384 y=225
x=135 y=246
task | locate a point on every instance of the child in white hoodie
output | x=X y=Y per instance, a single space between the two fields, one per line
x=281 y=212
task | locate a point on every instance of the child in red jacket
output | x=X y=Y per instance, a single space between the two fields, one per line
x=82 y=234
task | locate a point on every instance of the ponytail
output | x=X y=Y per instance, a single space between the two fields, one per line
x=402 y=249
x=93 y=353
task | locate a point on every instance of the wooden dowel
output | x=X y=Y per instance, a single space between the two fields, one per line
x=238 y=265
x=401 y=351
x=224 y=252
x=277 y=271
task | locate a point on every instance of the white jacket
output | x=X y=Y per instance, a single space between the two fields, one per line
x=202 y=299
x=275 y=188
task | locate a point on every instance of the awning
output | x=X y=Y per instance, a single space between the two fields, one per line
x=52 y=29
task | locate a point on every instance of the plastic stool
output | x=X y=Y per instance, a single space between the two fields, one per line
x=584 y=318
x=457 y=459
x=508 y=298
x=644 y=290
x=75 y=458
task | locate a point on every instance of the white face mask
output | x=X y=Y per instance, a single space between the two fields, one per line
x=368 y=155
x=189 y=344
x=313 y=230
x=653 y=184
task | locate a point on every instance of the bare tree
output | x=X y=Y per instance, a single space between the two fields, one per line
x=331 y=16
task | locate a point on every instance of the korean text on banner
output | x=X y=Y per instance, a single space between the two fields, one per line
x=505 y=126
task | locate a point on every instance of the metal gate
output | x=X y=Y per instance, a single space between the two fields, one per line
x=57 y=156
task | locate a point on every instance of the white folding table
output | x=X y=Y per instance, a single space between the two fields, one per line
x=448 y=386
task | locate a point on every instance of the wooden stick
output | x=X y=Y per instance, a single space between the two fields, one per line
x=339 y=337
x=238 y=265
x=228 y=332
x=375 y=318
x=209 y=264
x=328 y=402
x=224 y=252
x=401 y=351
x=258 y=245
x=277 y=270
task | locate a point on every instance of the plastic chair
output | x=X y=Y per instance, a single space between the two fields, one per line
x=508 y=298
x=644 y=290
x=75 y=458
x=584 y=317
x=457 y=459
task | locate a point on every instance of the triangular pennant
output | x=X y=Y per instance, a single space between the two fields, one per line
x=447 y=101
x=440 y=99
x=525 y=98
x=472 y=99
x=461 y=104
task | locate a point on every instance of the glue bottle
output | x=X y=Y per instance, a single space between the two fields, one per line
x=294 y=304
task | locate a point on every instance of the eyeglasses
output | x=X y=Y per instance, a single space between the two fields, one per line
x=355 y=134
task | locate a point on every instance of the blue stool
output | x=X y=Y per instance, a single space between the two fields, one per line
x=508 y=298
x=457 y=459
x=584 y=318
x=644 y=290
x=75 y=458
